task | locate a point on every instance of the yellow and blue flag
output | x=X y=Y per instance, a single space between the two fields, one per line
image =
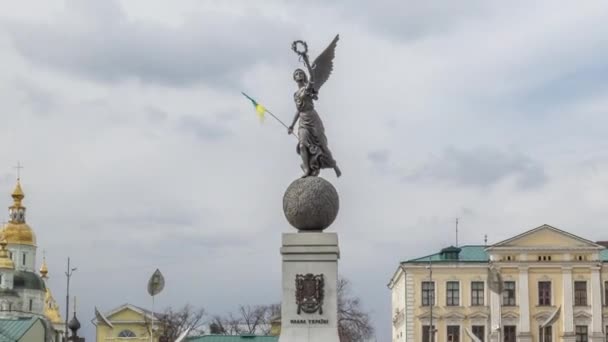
x=259 y=109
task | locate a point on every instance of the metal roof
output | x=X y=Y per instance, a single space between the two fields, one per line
x=468 y=253
x=12 y=330
x=475 y=254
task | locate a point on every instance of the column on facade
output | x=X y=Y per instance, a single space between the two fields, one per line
x=568 y=316
x=495 y=316
x=596 y=304
x=524 y=305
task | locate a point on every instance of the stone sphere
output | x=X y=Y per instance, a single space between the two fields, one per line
x=311 y=204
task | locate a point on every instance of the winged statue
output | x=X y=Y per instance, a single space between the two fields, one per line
x=312 y=142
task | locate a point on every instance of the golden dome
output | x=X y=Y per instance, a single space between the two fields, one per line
x=16 y=231
x=18 y=194
x=43 y=269
x=19 y=233
x=51 y=309
x=5 y=261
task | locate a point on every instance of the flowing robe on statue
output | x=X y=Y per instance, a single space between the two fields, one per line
x=311 y=132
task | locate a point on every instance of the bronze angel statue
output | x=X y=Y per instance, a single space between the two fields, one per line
x=312 y=142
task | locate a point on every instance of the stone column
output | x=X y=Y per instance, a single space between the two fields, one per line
x=568 y=314
x=596 y=306
x=523 y=300
x=495 y=317
x=316 y=254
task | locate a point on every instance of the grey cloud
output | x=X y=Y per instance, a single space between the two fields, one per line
x=379 y=157
x=109 y=47
x=155 y=115
x=481 y=167
x=408 y=20
x=202 y=129
x=157 y=218
x=39 y=100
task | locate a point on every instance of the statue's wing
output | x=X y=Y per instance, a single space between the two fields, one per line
x=324 y=64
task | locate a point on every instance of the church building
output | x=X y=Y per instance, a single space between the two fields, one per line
x=543 y=285
x=23 y=292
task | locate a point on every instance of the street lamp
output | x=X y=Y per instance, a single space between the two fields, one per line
x=68 y=275
x=155 y=285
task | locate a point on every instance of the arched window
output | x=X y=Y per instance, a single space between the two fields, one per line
x=126 y=333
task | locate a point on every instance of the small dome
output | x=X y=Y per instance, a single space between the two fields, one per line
x=44 y=270
x=5 y=262
x=74 y=323
x=28 y=280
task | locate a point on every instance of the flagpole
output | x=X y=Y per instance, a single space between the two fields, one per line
x=271 y=114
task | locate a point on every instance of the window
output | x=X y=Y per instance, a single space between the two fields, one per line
x=479 y=331
x=453 y=293
x=453 y=333
x=509 y=333
x=126 y=333
x=580 y=293
x=606 y=293
x=544 y=293
x=581 y=333
x=428 y=293
x=426 y=334
x=31 y=304
x=23 y=259
x=0 y=278
x=508 y=294
x=546 y=334
x=477 y=293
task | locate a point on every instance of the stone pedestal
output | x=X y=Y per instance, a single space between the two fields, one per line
x=315 y=254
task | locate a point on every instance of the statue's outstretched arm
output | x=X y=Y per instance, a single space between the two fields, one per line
x=295 y=119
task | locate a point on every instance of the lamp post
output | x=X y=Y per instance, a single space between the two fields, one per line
x=68 y=275
x=155 y=285
x=431 y=303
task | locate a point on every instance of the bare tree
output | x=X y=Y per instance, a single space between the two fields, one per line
x=354 y=324
x=252 y=317
x=174 y=323
x=249 y=319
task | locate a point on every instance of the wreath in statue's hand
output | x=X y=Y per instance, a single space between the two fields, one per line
x=300 y=43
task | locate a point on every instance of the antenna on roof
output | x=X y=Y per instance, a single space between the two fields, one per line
x=457 y=232
x=485 y=240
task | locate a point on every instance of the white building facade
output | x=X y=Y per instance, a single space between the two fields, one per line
x=543 y=285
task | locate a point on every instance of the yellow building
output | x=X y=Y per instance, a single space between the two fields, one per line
x=127 y=322
x=545 y=282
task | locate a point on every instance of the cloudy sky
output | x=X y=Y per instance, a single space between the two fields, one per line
x=140 y=152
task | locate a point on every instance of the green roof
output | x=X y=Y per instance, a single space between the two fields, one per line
x=232 y=338
x=13 y=329
x=469 y=253
x=28 y=280
x=604 y=255
x=474 y=254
